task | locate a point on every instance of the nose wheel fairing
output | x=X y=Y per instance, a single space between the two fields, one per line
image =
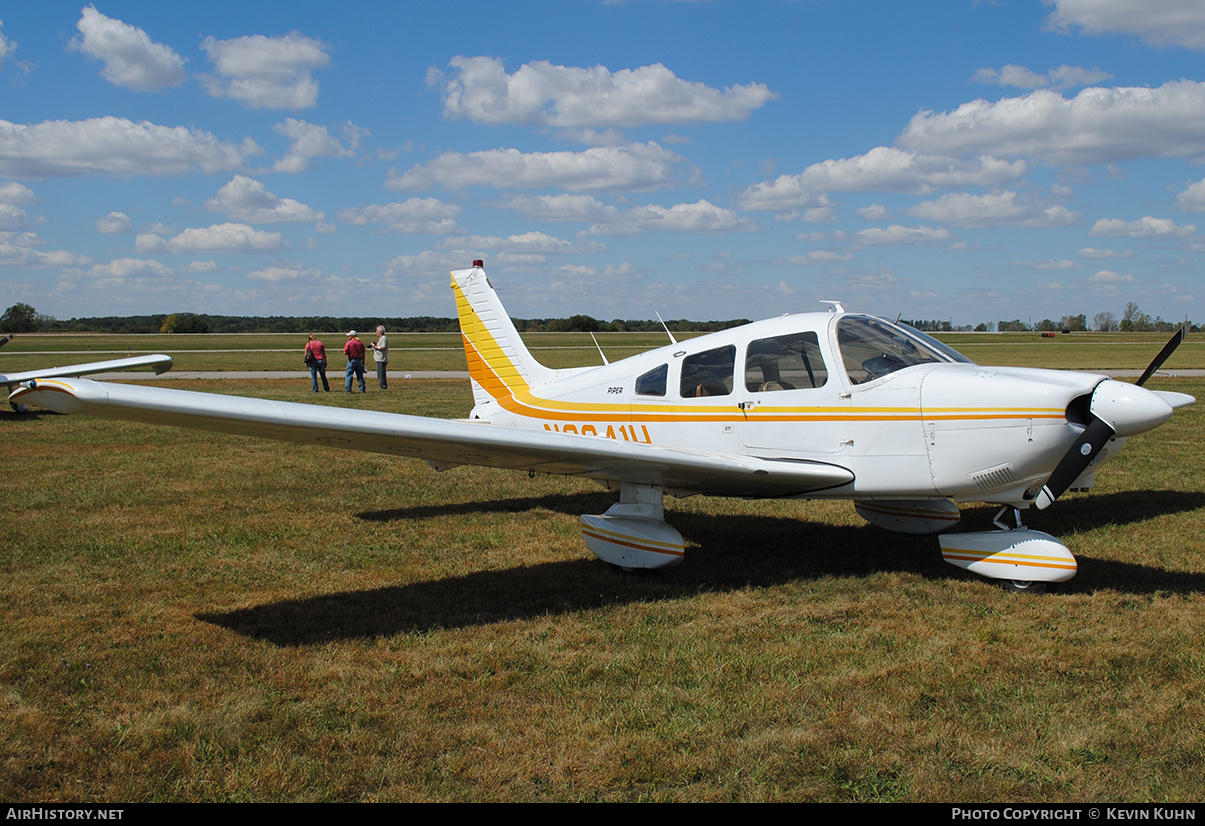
x=1017 y=555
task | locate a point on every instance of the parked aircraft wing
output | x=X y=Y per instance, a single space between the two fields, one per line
x=441 y=442
x=160 y=363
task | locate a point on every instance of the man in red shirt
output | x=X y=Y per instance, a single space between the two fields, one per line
x=354 y=350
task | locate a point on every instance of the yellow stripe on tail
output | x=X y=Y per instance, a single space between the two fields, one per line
x=500 y=365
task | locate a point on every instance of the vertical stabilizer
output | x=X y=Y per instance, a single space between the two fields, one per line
x=500 y=364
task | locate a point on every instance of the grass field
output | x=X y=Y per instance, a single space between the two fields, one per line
x=199 y=617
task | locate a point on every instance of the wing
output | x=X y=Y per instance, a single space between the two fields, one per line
x=160 y=364
x=441 y=442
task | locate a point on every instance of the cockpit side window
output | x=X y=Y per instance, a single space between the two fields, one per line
x=788 y=362
x=708 y=373
x=872 y=348
x=652 y=383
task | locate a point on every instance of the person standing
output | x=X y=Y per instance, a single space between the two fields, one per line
x=315 y=357
x=354 y=350
x=380 y=354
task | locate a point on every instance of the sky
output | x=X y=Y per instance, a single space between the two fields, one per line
x=955 y=160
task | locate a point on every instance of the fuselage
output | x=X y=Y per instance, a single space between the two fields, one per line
x=907 y=415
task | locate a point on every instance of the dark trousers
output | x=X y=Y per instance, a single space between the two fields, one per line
x=318 y=368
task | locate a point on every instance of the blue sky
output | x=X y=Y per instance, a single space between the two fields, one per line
x=958 y=160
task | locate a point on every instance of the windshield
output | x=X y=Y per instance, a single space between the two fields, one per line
x=935 y=344
x=873 y=347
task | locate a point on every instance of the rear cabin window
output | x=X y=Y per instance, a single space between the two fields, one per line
x=708 y=373
x=790 y=362
x=652 y=383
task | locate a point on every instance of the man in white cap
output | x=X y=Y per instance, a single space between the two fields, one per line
x=380 y=354
x=354 y=350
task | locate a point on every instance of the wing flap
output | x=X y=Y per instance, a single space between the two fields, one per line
x=440 y=441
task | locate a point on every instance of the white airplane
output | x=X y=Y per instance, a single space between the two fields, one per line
x=159 y=363
x=829 y=405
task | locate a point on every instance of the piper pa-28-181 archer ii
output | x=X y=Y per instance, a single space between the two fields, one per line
x=827 y=405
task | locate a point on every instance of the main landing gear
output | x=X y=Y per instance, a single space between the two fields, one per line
x=633 y=533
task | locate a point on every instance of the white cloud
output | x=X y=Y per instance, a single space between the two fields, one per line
x=113 y=146
x=541 y=94
x=416 y=216
x=1097 y=126
x=283 y=273
x=223 y=238
x=308 y=140
x=702 y=216
x=13 y=218
x=995 y=209
x=1048 y=264
x=1095 y=254
x=818 y=215
x=114 y=223
x=899 y=235
x=562 y=208
x=244 y=199
x=21 y=249
x=12 y=192
x=535 y=244
x=874 y=212
x=121 y=269
x=430 y=261
x=821 y=257
x=1165 y=23
x=7 y=46
x=266 y=72
x=131 y=58
x=1110 y=277
x=883 y=168
x=1192 y=199
x=1060 y=77
x=873 y=281
x=633 y=167
x=1108 y=282
x=1146 y=227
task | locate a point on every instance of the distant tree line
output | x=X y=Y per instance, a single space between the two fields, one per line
x=22 y=318
x=1133 y=320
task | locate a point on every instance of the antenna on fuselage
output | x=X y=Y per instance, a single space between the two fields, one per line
x=836 y=305
x=600 y=352
x=667 y=332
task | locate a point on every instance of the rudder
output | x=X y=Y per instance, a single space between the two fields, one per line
x=500 y=365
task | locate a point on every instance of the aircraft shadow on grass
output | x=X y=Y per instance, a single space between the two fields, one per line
x=727 y=552
x=28 y=415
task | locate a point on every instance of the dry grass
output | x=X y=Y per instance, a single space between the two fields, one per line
x=198 y=617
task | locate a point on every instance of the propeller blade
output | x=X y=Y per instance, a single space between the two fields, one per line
x=1075 y=461
x=1164 y=354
